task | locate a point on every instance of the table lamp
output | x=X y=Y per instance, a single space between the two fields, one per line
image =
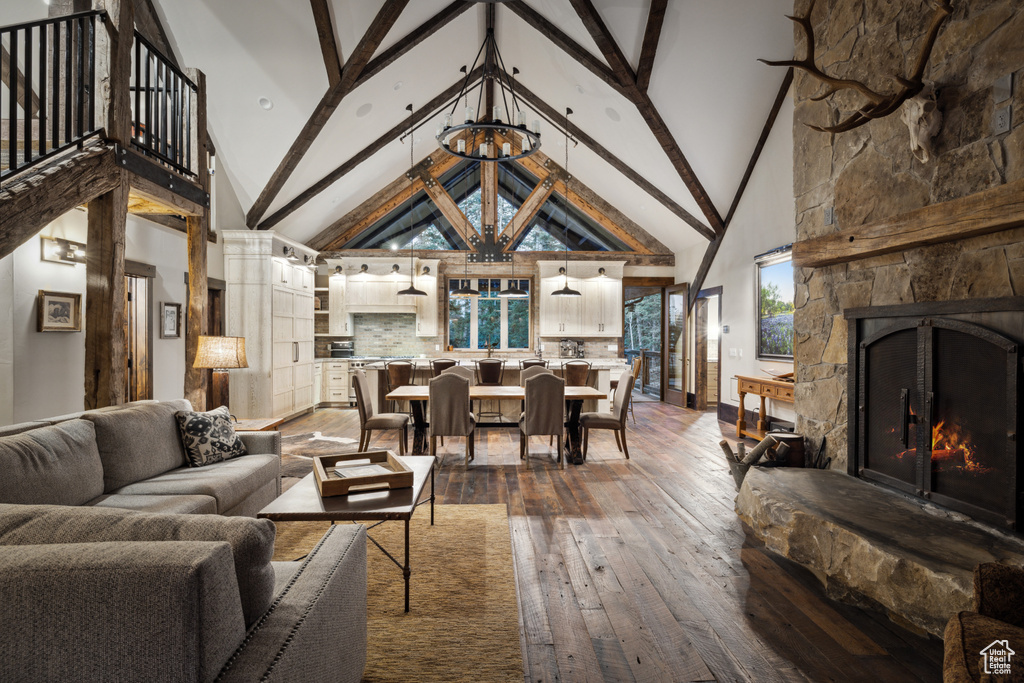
x=220 y=354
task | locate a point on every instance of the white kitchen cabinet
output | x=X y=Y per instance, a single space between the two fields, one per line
x=375 y=290
x=602 y=307
x=270 y=304
x=318 y=382
x=340 y=323
x=427 y=310
x=335 y=382
x=596 y=313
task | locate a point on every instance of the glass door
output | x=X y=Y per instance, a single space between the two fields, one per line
x=674 y=355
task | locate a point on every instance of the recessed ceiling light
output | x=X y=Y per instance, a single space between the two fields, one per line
x=266 y=103
x=364 y=110
x=398 y=86
x=613 y=115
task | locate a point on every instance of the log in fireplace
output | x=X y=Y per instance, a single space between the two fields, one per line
x=934 y=403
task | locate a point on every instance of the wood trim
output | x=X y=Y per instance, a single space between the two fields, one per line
x=649 y=48
x=1000 y=208
x=529 y=209
x=387 y=138
x=149 y=197
x=368 y=44
x=165 y=186
x=447 y=206
x=705 y=266
x=29 y=204
x=328 y=44
x=769 y=123
x=366 y=214
x=617 y=163
x=663 y=281
x=489 y=195
x=139 y=269
x=173 y=222
x=602 y=36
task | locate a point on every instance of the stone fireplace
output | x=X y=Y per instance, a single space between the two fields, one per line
x=936 y=403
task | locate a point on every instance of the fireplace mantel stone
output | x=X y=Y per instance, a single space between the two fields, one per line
x=869 y=545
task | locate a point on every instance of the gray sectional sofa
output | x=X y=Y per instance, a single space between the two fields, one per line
x=103 y=578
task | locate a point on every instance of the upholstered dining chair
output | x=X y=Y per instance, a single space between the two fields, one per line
x=368 y=422
x=461 y=371
x=638 y=363
x=399 y=373
x=544 y=400
x=615 y=420
x=576 y=373
x=490 y=372
x=527 y=373
x=439 y=365
x=451 y=413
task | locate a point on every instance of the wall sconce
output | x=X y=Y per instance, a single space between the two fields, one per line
x=308 y=260
x=394 y=270
x=363 y=269
x=600 y=271
x=426 y=270
x=338 y=270
x=289 y=253
x=58 y=250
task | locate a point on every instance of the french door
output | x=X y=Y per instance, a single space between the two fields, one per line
x=673 y=364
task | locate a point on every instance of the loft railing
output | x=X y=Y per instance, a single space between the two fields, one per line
x=162 y=100
x=47 y=82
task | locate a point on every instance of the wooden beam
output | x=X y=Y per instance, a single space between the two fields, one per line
x=368 y=44
x=105 y=344
x=702 y=272
x=567 y=44
x=652 y=34
x=769 y=123
x=387 y=138
x=602 y=36
x=198 y=232
x=328 y=44
x=994 y=210
x=617 y=163
x=150 y=197
x=488 y=195
x=336 y=235
x=147 y=22
x=447 y=206
x=529 y=208
x=31 y=203
x=112 y=94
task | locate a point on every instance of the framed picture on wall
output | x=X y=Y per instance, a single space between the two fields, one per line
x=170 y=320
x=775 y=304
x=59 y=311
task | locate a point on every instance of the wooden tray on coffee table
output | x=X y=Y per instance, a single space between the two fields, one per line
x=331 y=484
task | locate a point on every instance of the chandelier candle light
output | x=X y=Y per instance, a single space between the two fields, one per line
x=504 y=121
x=411 y=291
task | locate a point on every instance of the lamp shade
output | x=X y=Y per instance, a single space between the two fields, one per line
x=220 y=353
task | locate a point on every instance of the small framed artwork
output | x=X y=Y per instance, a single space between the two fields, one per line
x=59 y=311
x=170 y=320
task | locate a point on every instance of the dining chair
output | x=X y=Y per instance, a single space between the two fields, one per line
x=451 y=413
x=490 y=372
x=368 y=422
x=636 y=367
x=576 y=373
x=544 y=401
x=615 y=420
x=532 y=362
x=527 y=373
x=461 y=371
x=439 y=365
x=399 y=373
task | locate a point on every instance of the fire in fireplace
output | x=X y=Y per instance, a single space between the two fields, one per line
x=934 y=403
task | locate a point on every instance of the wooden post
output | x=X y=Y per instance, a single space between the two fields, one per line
x=198 y=230
x=105 y=343
x=112 y=96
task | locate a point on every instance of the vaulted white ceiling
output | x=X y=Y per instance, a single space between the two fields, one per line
x=706 y=83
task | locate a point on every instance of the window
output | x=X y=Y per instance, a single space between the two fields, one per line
x=489 y=319
x=416 y=220
x=775 y=304
x=584 y=233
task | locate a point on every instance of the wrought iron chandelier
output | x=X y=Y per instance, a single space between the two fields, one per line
x=475 y=137
x=411 y=290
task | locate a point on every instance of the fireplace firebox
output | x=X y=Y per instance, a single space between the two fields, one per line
x=934 y=403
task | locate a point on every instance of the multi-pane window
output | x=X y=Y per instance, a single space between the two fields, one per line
x=489 y=320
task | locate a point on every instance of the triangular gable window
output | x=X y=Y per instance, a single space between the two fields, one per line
x=463 y=184
x=418 y=218
x=584 y=233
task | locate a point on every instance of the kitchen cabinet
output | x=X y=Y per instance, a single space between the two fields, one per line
x=270 y=304
x=596 y=313
x=340 y=323
x=375 y=290
x=318 y=382
x=335 y=383
x=427 y=310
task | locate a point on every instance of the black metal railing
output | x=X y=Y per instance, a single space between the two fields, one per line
x=47 y=86
x=162 y=100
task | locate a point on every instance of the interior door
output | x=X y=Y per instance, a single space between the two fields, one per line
x=700 y=353
x=673 y=360
x=138 y=373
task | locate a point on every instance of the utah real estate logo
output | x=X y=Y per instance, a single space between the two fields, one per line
x=996 y=657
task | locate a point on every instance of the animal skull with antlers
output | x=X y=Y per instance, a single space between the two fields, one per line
x=879 y=104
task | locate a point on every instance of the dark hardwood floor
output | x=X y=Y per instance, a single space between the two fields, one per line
x=640 y=570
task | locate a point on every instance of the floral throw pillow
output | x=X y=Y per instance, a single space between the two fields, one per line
x=208 y=437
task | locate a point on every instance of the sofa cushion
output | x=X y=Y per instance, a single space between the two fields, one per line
x=138 y=442
x=251 y=540
x=10 y=430
x=168 y=505
x=55 y=464
x=230 y=481
x=208 y=437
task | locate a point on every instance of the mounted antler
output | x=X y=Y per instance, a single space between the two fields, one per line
x=879 y=104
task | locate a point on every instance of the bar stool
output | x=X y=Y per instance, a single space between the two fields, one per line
x=532 y=362
x=490 y=372
x=576 y=373
x=439 y=365
x=399 y=373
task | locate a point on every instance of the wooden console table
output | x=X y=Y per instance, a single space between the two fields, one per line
x=765 y=388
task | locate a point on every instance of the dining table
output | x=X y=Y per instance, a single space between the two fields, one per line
x=418 y=395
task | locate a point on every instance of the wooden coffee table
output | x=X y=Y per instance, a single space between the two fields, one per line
x=303 y=503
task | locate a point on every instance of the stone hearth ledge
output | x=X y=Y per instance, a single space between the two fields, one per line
x=872 y=546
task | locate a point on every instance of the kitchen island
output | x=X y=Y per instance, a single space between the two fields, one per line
x=602 y=370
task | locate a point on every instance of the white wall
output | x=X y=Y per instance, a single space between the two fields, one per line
x=42 y=373
x=764 y=220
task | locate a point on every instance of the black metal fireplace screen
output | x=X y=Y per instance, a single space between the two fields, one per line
x=934 y=403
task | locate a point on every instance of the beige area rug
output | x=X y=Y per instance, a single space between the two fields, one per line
x=463 y=623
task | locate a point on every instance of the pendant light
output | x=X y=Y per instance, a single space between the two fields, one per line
x=513 y=291
x=566 y=290
x=411 y=291
x=466 y=291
